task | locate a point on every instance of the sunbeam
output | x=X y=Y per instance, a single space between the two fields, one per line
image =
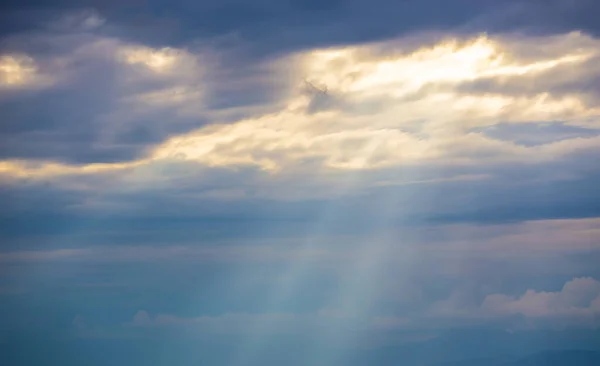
x=300 y=183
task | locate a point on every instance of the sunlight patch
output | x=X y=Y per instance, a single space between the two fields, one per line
x=17 y=71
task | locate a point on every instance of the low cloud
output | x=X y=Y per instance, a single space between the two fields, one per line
x=449 y=243
x=227 y=323
x=579 y=299
x=576 y=305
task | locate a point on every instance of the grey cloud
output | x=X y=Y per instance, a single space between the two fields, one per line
x=259 y=20
x=183 y=196
x=540 y=16
x=63 y=122
x=85 y=119
x=90 y=114
x=275 y=26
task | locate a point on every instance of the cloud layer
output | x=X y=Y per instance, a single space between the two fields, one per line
x=322 y=177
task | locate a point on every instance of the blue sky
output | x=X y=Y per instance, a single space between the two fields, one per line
x=298 y=182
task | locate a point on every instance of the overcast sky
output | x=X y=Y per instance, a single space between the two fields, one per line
x=298 y=181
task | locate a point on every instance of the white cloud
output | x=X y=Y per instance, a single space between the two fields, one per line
x=575 y=305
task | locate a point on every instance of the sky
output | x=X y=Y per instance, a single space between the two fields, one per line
x=298 y=182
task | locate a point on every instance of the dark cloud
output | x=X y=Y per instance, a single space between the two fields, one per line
x=525 y=200
x=275 y=26
x=540 y=16
x=67 y=125
x=62 y=123
x=68 y=122
x=72 y=121
x=183 y=207
x=90 y=114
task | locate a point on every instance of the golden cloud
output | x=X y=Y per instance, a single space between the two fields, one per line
x=20 y=71
x=384 y=108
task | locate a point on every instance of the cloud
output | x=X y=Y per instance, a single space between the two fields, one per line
x=82 y=20
x=246 y=323
x=98 y=93
x=341 y=172
x=524 y=238
x=275 y=27
x=199 y=252
x=141 y=318
x=536 y=134
x=493 y=253
x=180 y=191
x=376 y=122
x=575 y=305
x=19 y=71
x=353 y=138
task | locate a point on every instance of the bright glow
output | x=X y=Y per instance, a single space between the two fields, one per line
x=157 y=60
x=382 y=109
x=351 y=70
x=16 y=70
x=178 y=95
x=343 y=139
x=20 y=169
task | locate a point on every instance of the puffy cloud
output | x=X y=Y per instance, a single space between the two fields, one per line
x=575 y=305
